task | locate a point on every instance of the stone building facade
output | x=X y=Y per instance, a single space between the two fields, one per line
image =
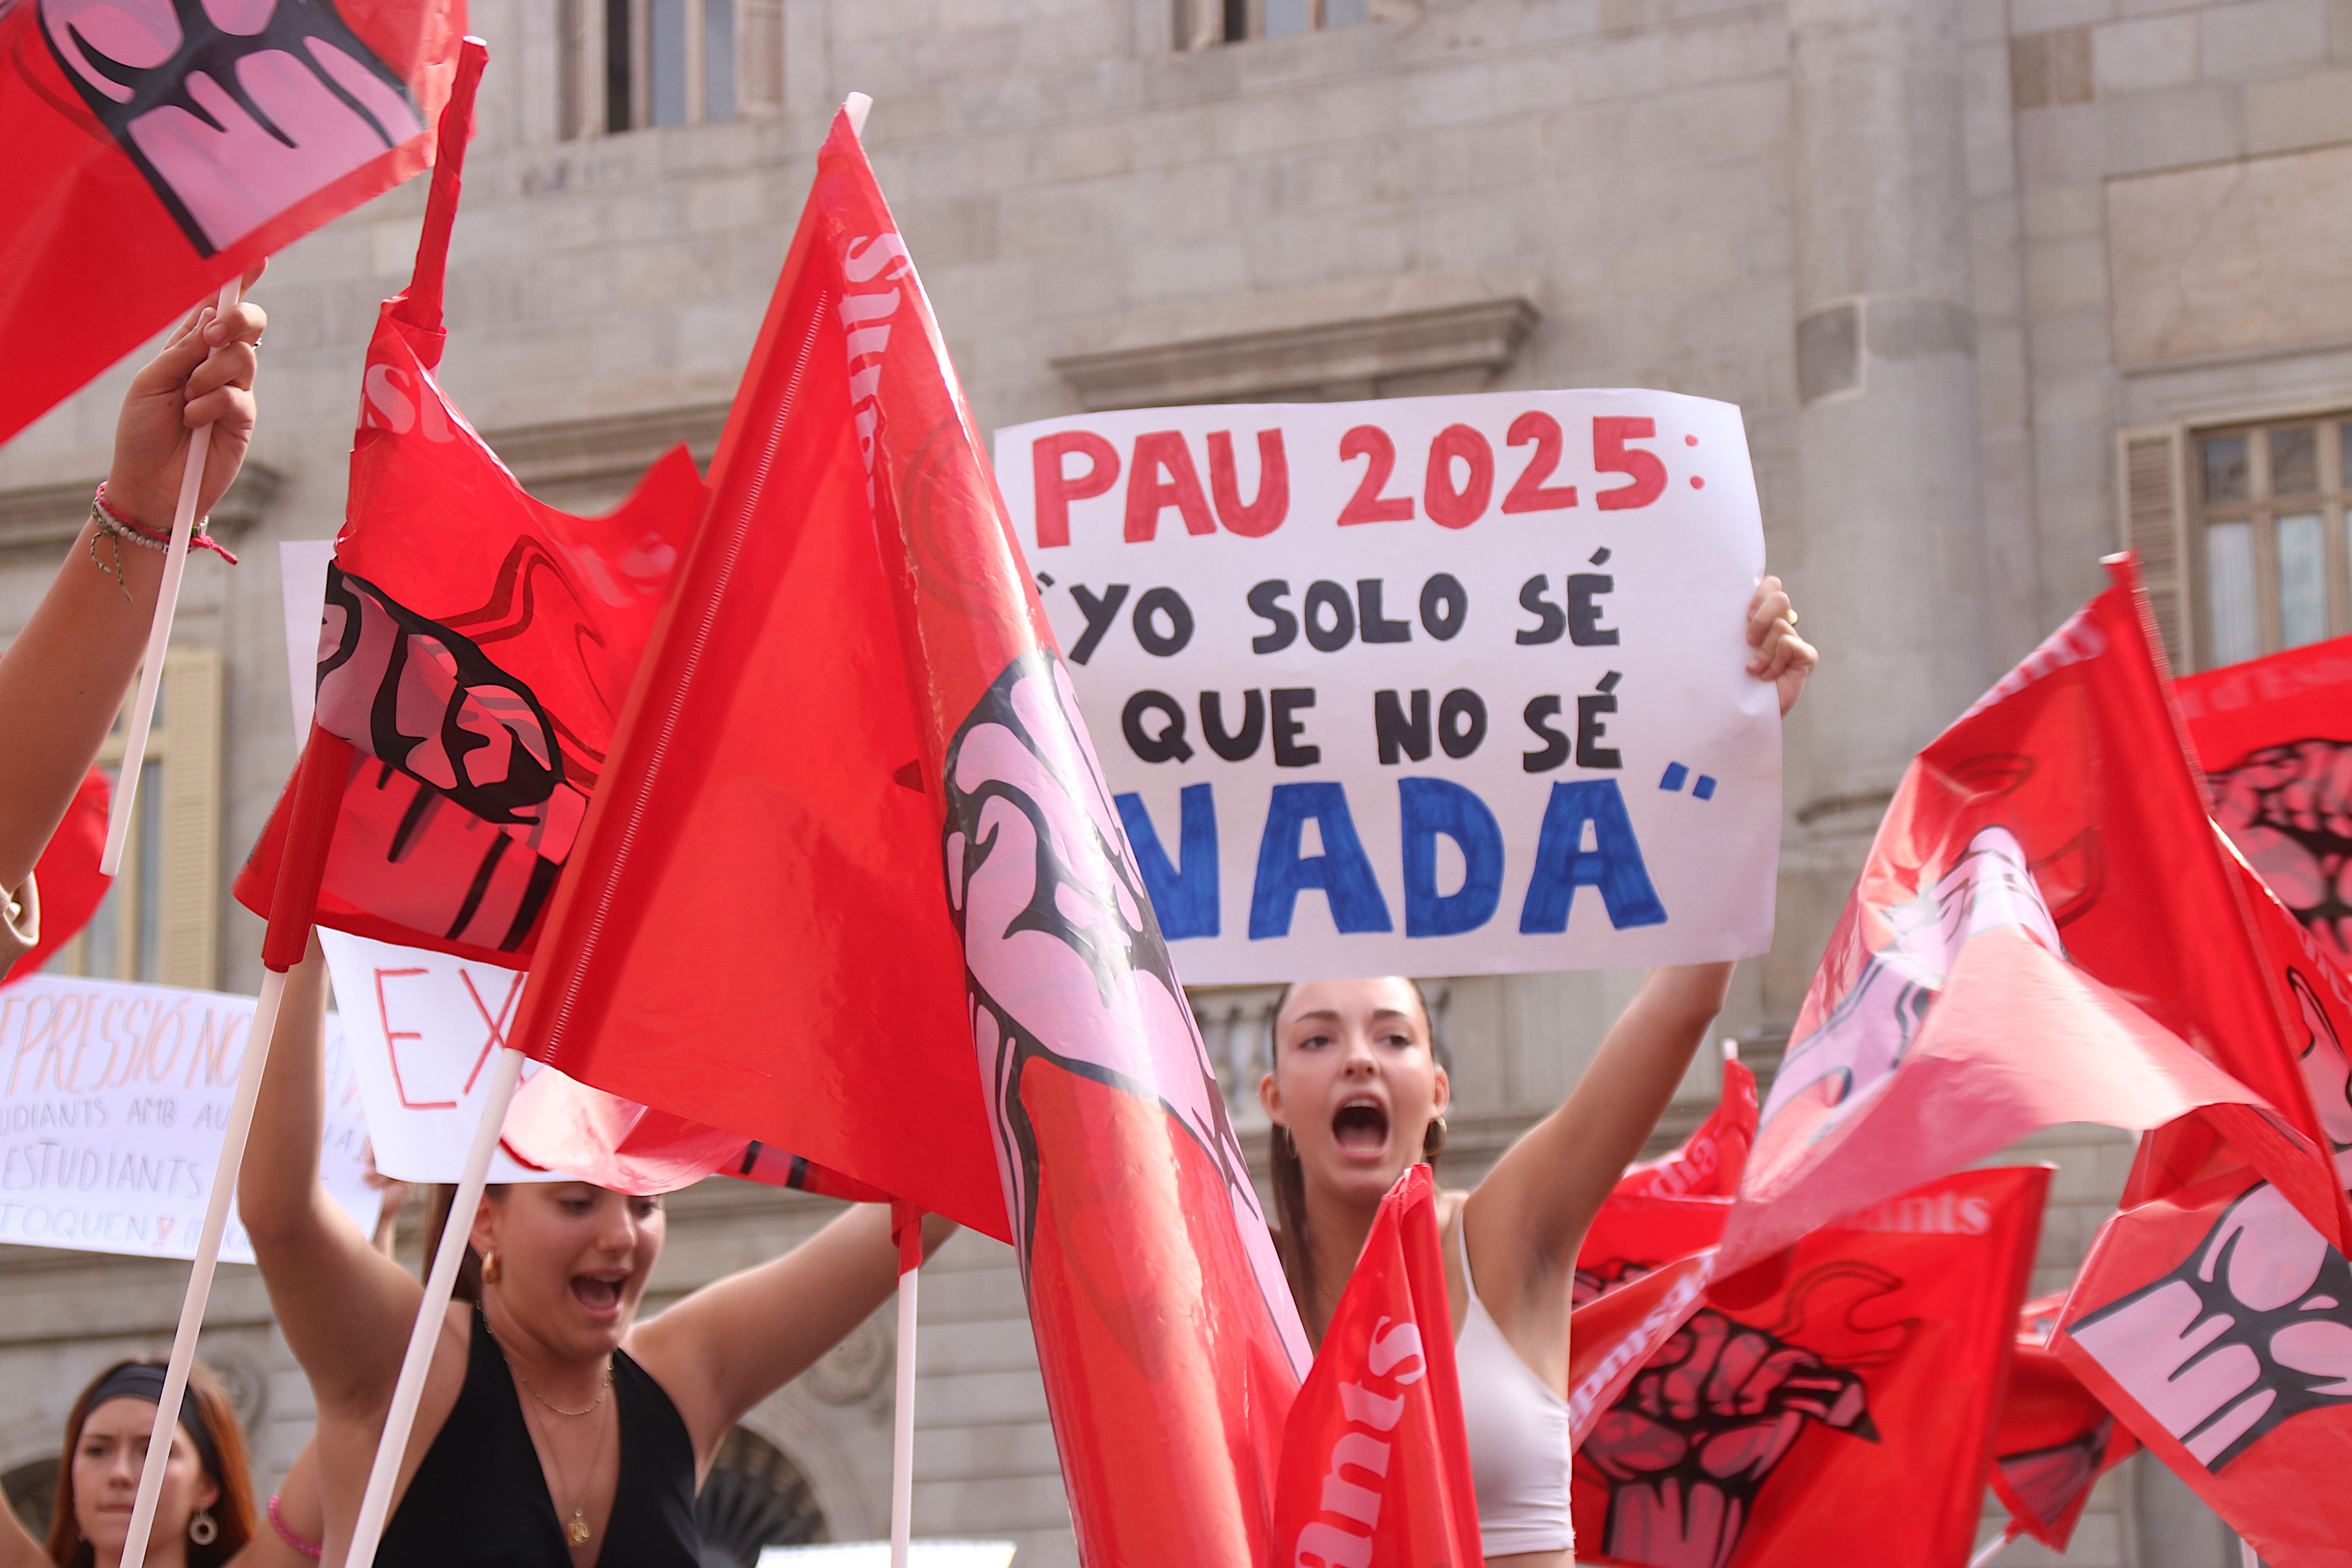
x=1998 y=285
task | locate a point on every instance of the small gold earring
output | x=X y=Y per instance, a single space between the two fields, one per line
x=491 y=1267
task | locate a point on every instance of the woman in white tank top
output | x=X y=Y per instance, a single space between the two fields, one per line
x=1356 y=1095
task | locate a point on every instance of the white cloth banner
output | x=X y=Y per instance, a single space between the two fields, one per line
x=1430 y=685
x=423 y=1029
x=113 y=1098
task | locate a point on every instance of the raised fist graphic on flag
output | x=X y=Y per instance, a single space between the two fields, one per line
x=2254 y=1329
x=2289 y=809
x=1693 y=1439
x=233 y=109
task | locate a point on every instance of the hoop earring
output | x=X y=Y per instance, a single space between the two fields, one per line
x=201 y=1529
x=1433 y=1139
x=491 y=1267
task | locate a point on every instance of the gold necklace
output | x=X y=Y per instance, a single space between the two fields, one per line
x=577 y=1531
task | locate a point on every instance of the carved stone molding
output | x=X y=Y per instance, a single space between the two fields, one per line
x=598 y=459
x=1452 y=348
x=48 y=516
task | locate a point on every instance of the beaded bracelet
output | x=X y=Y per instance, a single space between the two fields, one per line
x=278 y=1522
x=118 y=528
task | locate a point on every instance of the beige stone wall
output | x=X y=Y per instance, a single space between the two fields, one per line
x=2154 y=201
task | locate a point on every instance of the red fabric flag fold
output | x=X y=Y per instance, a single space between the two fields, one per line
x=2275 y=738
x=1842 y=1413
x=2054 y=1439
x=475 y=649
x=2214 y=1319
x=1375 y=1467
x=852 y=885
x=156 y=153
x=2046 y=930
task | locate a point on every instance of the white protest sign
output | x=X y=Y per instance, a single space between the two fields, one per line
x=113 y=1098
x=1430 y=685
x=424 y=1029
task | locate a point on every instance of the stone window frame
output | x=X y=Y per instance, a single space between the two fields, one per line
x=2167 y=509
x=169 y=880
x=583 y=29
x=1211 y=24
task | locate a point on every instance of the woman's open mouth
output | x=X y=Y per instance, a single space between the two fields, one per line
x=599 y=1293
x=1360 y=1127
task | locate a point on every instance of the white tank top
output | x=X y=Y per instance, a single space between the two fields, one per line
x=1518 y=1432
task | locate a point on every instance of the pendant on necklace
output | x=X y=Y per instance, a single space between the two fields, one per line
x=578 y=1530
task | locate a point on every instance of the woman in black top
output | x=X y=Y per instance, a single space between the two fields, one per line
x=554 y=1429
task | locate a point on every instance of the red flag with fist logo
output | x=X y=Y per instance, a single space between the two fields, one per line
x=2047 y=929
x=1375 y=1468
x=852 y=885
x=475 y=649
x=1840 y=1410
x=157 y=150
x=2055 y=1438
x=2215 y=1321
x=2276 y=737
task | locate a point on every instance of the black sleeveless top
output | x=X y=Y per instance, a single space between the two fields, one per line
x=480 y=1496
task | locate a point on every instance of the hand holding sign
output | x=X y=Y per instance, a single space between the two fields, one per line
x=1540 y=612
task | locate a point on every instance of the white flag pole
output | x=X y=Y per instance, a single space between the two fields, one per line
x=1990 y=1550
x=158 y=631
x=855 y=105
x=375 y=1504
x=902 y=1434
x=200 y=1276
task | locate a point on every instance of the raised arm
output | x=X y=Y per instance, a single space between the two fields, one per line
x=733 y=1342
x=17 y=1547
x=344 y=1307
x=1525 y=1221
x=62 y=680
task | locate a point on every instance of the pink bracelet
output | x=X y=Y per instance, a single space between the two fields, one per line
x=278 y=1522
x=201 y=539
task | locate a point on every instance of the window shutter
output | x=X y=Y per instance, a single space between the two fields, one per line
x=188 y=948
x=2156 y=523
x=759 y=55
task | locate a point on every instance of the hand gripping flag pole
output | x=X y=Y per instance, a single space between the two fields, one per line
x=159 y=632
x=317 y=797
x=375 y=1503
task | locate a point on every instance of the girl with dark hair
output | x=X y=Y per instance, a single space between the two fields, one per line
x=205 y=1518
x=554 y=1428
x=1355 y=1094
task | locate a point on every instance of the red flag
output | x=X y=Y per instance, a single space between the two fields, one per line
x=1375 y=1467
x=156 y=153
x=475 y=649
x=557 y=1123
x=2216 y=1321
x=2276 y=737
x=1715 y=1156
x=854 y=683
x=2055 y=1438
x=2045 y=916
x=1843 y=1415
x=68 y=880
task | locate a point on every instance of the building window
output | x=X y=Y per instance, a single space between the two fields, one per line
x=1203 y=24
x=160 y=919
x=631 y=64
x=2271 y=557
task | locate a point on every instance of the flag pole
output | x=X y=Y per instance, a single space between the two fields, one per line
x=200 y=1276
x=908 y=1231
x=375 y=1503
x=1991 y=1549
x=301 y=866
x=159 y=630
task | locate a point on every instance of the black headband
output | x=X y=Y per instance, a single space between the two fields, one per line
x=144 y=1380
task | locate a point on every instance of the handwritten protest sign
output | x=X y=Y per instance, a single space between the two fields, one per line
x=113 y=1100
x=1444 y=684
x=423 y=1029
